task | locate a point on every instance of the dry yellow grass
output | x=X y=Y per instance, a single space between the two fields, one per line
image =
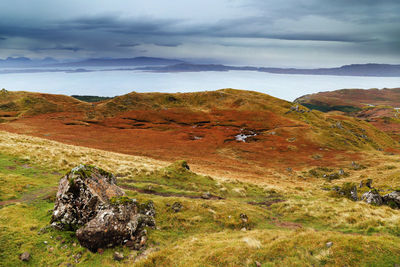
x=289 y=233
x=61 y=156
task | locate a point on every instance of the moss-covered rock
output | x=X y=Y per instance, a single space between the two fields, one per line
x=121 y=200
x=348 y=190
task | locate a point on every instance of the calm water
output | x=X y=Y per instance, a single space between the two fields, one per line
x=111 y=83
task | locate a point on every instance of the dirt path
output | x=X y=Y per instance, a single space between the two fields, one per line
x=42 y=193
x=152 y=192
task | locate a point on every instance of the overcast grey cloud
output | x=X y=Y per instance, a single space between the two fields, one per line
x=306 y=33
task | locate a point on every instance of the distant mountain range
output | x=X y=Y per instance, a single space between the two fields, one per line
x=24 y=62
x=376 y=70
x=106 y=62
x=154 y=64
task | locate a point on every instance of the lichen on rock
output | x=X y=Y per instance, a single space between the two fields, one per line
x=89 y=201
x=372 y=197
x=392 y=199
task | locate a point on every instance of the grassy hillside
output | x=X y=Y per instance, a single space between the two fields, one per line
x=19 y=104
x=379 y=107
x=355 y=98
x=204 y=101
x=90 y=98
x=292 y=218
x=228 y=131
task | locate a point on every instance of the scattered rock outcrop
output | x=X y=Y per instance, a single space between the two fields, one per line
x=367 y=183
x=348 y=190
x=89 y=201
x=372 y=197
x=392 y=199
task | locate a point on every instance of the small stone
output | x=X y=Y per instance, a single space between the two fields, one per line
x=77 y=257
x=258 y=264
x=118 y=256
x=25 y=256
x=243 y=229
x=177 y=206
x=43 y=230
x=206 y=195
x=244 y=218
x=100 y=251
x=143 y=240
x=130 y=244
x=45 y=242
x=74 y=244
x=329 y=244
x=51 y=249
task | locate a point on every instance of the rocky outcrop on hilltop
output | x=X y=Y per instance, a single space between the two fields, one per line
x=89 y=202
x=368 y=194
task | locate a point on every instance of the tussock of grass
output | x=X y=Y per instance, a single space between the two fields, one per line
x=278 y=248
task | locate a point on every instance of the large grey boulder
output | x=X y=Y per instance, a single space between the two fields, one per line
x=89 y=201
x=372 y=197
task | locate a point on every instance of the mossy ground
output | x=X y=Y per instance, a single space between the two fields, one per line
x=290 y=217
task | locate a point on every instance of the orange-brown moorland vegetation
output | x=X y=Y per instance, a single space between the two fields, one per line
x=226 y=130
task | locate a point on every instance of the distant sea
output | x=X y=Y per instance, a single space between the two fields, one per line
x=112 y=83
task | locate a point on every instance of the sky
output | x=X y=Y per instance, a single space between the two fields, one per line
x=276 y=33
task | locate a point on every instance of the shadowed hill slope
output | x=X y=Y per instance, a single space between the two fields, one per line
x=354 y=98
x=200 y=101
x=17 y=104
x=225 y=129
x=379 y=107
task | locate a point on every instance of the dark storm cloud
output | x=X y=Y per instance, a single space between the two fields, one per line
x=128 y=45
x=362 y=26
x=168 y=44
x=354 y=10
x=252 y=29
x=113 y=24
x=58 y=47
